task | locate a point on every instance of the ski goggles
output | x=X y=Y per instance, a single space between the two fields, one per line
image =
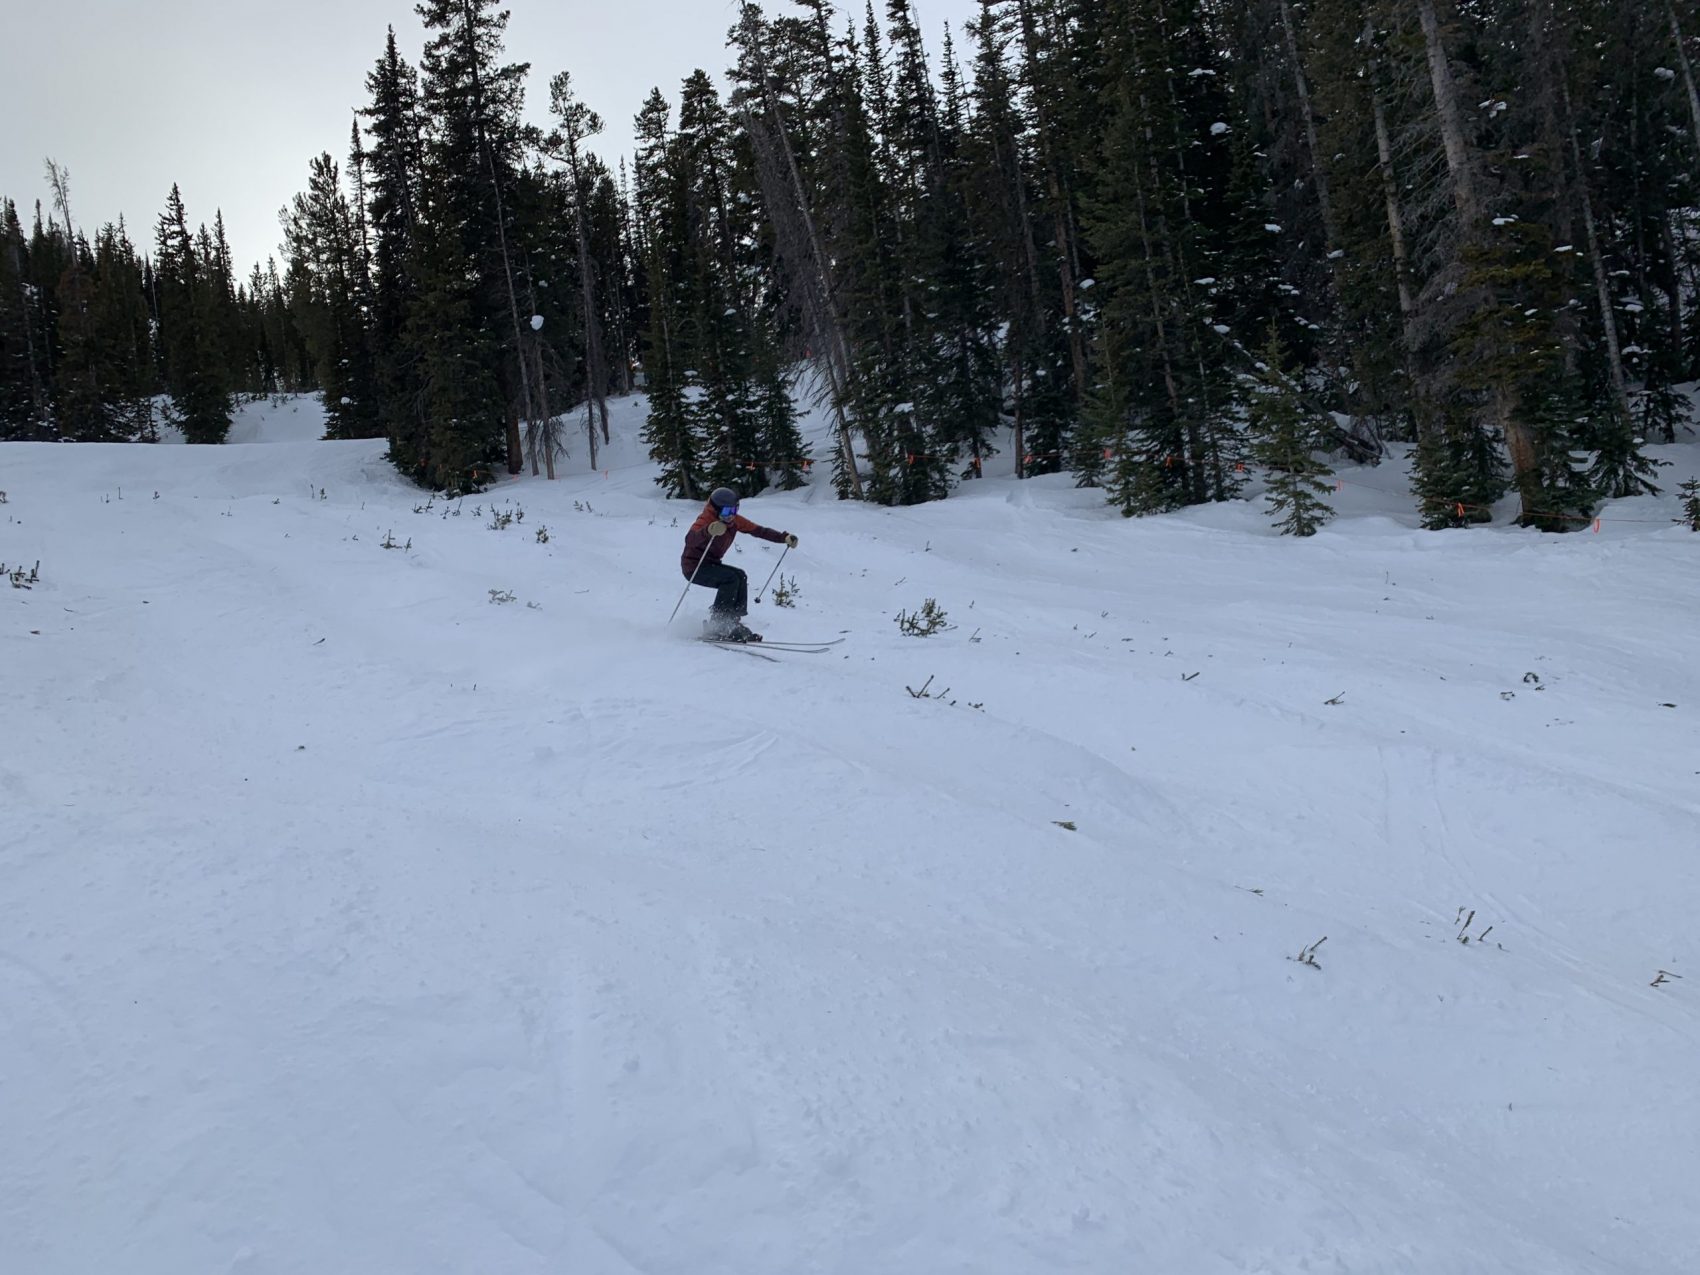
x=728 y=511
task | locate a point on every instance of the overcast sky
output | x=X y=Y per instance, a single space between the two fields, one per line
x=231 y=100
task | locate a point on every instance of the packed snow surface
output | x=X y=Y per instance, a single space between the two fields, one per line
x=1201 y=902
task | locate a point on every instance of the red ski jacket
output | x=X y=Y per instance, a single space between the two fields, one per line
x=698 y=542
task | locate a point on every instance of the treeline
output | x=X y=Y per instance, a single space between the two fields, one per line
x=100 y=342
x=1163 y=238
x=1146 y=243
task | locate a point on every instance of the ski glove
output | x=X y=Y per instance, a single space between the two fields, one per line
x=790 y=541
x=716 y=530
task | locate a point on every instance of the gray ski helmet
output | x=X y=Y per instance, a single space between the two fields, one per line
x=723 y=498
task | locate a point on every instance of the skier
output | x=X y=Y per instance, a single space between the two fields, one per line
x=706 y=543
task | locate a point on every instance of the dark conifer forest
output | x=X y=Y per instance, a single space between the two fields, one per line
x=1150 y=244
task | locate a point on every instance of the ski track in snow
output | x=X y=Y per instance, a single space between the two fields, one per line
x=357 y=923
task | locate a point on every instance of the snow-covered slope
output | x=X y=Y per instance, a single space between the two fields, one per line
x=354 y=922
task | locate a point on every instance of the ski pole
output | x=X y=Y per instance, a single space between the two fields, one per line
x=773 y=573
x=690 y=582
x=714 y=532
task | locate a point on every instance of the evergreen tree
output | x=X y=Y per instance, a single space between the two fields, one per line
x=466 y=307
x=327 y=265
x=576 y=123
x=393 y=177
x=659 y=216
x=120 y=330
x=23 y=406
x=1286 y=436
x=1164 y=399
x=192 y=362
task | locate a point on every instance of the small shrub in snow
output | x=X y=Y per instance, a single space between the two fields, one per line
x=925 y=691
x=1464 y=923
x=1307 y=955
x=1690 y=503
x=543 y=535
x=2 y=497
x=500 y=521
x=1662 y=977
x=20 y=578
x=930 y=619
x=785 y=592
x=502 y=595
x=389 y=542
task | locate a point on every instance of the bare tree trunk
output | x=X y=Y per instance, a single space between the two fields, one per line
x=501 y=221
x=595 y=370
x=549 y=434
x=1066 y=253
x=820 y=295
x=1687 y=68
x=1017 y=400
x=1390 y=194
x=1319 y=170
x=1450 y=118
x=1519 y=442
x=1673 y=285
x=1395 y=229
x=1602 y=286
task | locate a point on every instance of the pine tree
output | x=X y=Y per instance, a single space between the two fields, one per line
x=672 y=442
x=119 y=324
x=1286 y=435
x=1459 y=471
x=575 y=124
x=1165 y=385
x=394 y=164
x=1691 y=503
x=24 y=410
x=193 y=363
x=470 y=384
x=326 y=265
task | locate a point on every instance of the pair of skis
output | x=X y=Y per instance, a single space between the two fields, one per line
x=759 y=649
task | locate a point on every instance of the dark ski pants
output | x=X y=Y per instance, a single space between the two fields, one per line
x=732 y=596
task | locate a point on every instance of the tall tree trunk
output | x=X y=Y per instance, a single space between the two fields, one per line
x=1519 y=442
x=1602 y=285
x=1390 y=195
x=820 y=296
x=1016 y=400
x=1673 y=290
x=469 y=15
x=595 y=369
x=1319 y=170
x=1687 y=68
x=1066 y=254
x=1450 y=118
